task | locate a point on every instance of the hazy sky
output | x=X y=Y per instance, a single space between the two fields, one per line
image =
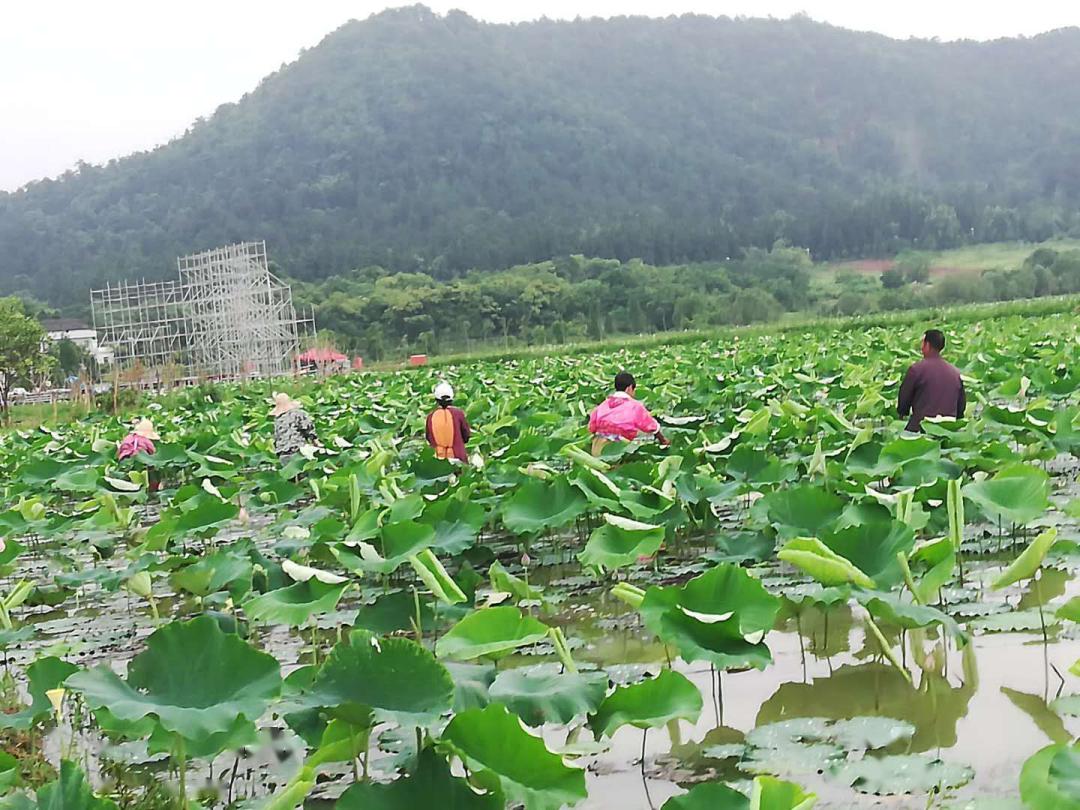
x=96 y=79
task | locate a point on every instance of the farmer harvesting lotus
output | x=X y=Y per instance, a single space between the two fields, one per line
x=141 y=440
x=293 y=428
x=621 y=417
x=931 y=387
x=448 y=430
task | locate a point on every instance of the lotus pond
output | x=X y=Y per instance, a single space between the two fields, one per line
x=794 y=605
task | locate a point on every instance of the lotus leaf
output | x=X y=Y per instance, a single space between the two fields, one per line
x=902 y=774
x=1017 y=493
x=648 y=704
x=709 y=796
x=194 y=696
x=397 y=678
x=773 y=794
x=430 y=785
x=620 y=542
x=43 y=675
x=541 y=505
x=490 y=632
x=822 y=563
x=872 y=548
x=500 y=753
x=802 y=510
x=1027 y=564
x=295 y=604
x=710 y=617
x=1040 y=787
x=544 y=694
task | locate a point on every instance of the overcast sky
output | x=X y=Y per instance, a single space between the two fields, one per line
x=96 y=79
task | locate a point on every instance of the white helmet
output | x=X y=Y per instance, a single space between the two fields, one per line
x=444 y=391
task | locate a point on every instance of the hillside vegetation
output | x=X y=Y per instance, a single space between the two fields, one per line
x=439 y=144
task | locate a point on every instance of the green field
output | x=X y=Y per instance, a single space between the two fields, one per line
x=973 y=258
x=795 y=599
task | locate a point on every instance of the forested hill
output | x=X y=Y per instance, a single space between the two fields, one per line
x=421 y=142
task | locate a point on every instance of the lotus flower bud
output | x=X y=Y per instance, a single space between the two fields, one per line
x=56 y=698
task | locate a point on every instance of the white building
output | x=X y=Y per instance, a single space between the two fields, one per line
x=81 y=334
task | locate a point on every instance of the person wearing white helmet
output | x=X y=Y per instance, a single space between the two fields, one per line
x=448 y=430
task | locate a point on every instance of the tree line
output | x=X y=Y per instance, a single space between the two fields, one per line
x=383 y=315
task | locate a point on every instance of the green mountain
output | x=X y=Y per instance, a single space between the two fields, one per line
x=429 y=143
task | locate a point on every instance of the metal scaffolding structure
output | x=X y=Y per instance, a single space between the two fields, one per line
x=227 y=316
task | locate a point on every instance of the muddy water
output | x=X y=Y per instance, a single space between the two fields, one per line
x=984 y=706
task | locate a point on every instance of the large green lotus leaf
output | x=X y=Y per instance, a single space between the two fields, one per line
x=210 y=514
x=295 y=604
x=869 y=733
x=456 y=522
x=709 y=617
x=873 y=547
x=888 y=607
x=792 y=758
x=192 y=677
x=709 y=796
x=392 y=612
x=502 y=581
x=1025 y=565
x=471 y=684
x=728 y=588
x=773 y=794
x=396 y=677
x=822 y=563
x=78 y=479
x=902 y=774
x=648 y=704
x=1017 y=494
x=490 y=632
x=399 y=541
x=600 y=491
x=544 y=694
x=499 y=751
x=222 y=570
x=540 y=505
x=1065 y=772
x=1039 y=786
x=431 y=785
x=42 y=675
x=804 y=510
x=242 y=734
x=905 y=449
x=752 y=466
x=621 y=541
x=1070 y=611
x=70 y=791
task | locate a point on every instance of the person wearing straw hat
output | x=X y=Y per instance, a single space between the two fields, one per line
x=447 y=428
x=293 y=427
x=141 y=440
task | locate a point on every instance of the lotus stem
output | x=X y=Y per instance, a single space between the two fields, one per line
x=562 y=650
x=417 y=620
x=181 y=762
x=355 y=755
x=886 y=649
x=909 y=580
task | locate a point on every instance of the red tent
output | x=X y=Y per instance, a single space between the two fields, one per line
x=322 y=356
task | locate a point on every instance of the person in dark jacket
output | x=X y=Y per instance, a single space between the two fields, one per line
x=931 y=387
x=448 y=430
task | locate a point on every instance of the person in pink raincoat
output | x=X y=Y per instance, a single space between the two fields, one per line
x=141 y=440
x=621 y=417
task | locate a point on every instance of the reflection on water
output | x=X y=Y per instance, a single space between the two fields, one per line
x=984 y=705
